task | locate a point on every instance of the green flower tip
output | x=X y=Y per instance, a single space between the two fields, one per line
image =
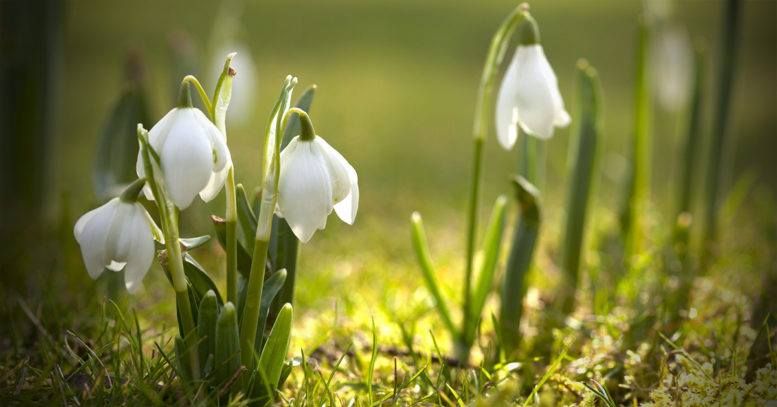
x=185 y=93
x=130 y=194
x=528 y=31
x=307 y=132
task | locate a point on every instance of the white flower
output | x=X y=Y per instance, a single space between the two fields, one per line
x=529 y=98
x=116 y=236
x=191 y=150
x=672 y=63
x=315 y=179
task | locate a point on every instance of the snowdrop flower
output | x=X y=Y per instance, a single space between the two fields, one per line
x=529 y=97
x=314 y=180
x=117 y=236
x=672 y=63
x=191 y=149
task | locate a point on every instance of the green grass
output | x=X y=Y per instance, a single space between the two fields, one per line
x=397 y=83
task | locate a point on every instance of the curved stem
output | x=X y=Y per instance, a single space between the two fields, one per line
x=483 y=109
x=191 y=80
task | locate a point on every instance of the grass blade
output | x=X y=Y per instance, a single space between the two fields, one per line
x=421 y=248
x=491 y=246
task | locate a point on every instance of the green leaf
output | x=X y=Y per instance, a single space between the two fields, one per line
x=272 y=286
x=243 y=254
x=191 y=243
x=227 y=355
x=491 y=246
x=421 y=248
x=181 y=358
x=581 y=177
x=519 y=263
x=199 y=279
x=274 y=352
x=206 y=325
x=245 y=217
x=114 y=166
x=223 y=94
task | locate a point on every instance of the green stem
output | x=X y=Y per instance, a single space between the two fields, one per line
x=727 y=64
x=638 y=184
x=691 y=150
x=175 y=260
x=191 y=80
x=231 y=229
x=250 y=314
x=483 y=116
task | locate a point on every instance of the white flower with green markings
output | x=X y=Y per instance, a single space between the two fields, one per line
x=191 y=152
x=529 y=97
x=314 y=180
x=117 y=236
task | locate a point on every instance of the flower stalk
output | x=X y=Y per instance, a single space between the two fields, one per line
x=218 y=112
x=483 y=114
x=169 y=220
x=269 y=200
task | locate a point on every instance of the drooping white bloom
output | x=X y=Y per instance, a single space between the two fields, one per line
x=672 y=63
x=315 y=179
x=191 y=149
x=529 y=98
x=117 y=236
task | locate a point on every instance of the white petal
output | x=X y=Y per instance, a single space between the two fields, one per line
x=561 y=117
x=141 y=251
x=117 y=240
x=337 y=167
x=221 y=156
x=156 y=137
x=90 y=232
x=534 y=98
x=506 y=111
x=187 y=159
x=305 y=190
x=215 y=183
x=347 y=208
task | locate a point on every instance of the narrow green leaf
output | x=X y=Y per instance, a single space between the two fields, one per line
x=581 y=176
x=491 y=246
x=519 y=262
x=274 y=352
x=227 y=354
x=191 y=243
x=421 y=248
x=199 y=279
x=243 y=256
x=272 y=286
x=637 y=187
x=223 y=93
x=206 y=325
x=181 y=357
x=245 y=217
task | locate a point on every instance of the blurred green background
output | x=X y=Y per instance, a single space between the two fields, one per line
x=397 y=82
